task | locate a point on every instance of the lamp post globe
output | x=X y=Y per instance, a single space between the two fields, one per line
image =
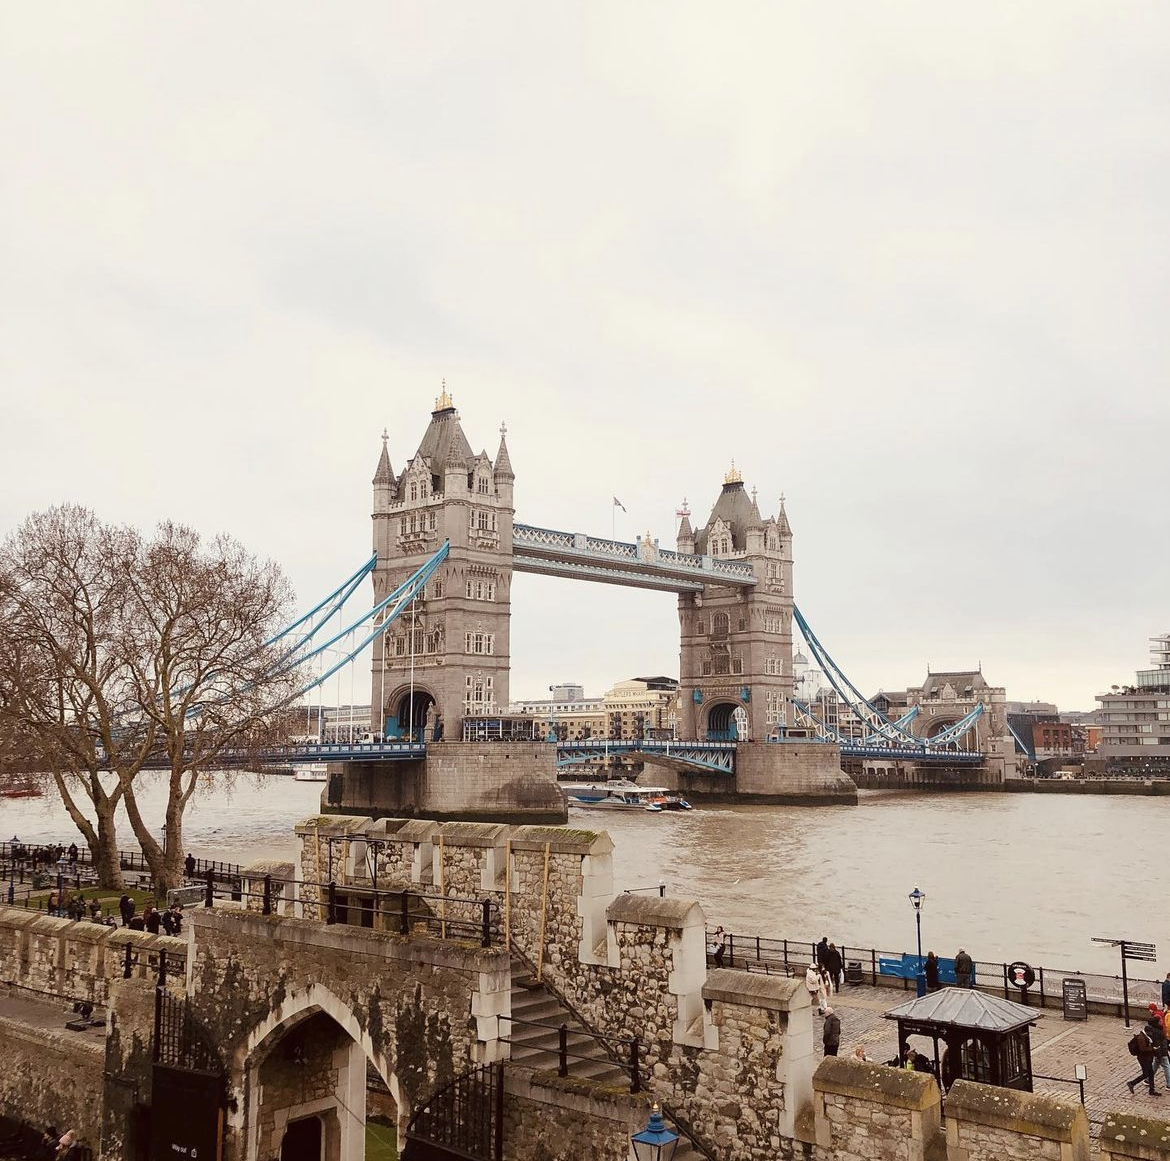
x=655 y=1142
x=917 y=899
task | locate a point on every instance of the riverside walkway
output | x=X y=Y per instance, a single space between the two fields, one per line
x=1058 y=1045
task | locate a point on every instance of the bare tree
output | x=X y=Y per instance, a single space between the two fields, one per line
x=119 y=654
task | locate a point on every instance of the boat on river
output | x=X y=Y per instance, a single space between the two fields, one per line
x=311 y=772
x=622 y=794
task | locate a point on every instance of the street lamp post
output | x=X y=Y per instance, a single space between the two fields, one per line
x=61 y=886
x=917 y=899
x=655 y=1142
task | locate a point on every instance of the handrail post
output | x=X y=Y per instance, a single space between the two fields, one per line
x=635 y=1074
x=487 y=923
x=209 y=893
x=162 y=968
x=404 y=912
x=563 y=1050
x=331 y=914
x=126 y=967
x=873 y=964
x=267 y=906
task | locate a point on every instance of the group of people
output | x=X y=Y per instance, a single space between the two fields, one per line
x=822 y=978
x=152 y=920
x=1151 y=1044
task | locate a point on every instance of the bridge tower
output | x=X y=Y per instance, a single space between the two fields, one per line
x=449 y=655
x=736 y=643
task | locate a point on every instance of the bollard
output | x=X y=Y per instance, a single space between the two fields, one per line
x=404 y=917
x=209 y=894
x=486 y=940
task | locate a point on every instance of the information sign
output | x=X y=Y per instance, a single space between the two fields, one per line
x=1076 y=999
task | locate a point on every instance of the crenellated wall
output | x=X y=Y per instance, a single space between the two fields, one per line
x=985 y=1123
x=74 y=959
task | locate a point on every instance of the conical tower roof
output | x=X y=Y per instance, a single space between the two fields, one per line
x=782 y=520
x=444 y=441
x=735 y=508
x=384 y=473
x=503 y=460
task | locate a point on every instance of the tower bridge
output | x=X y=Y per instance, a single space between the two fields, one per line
x=446 y=546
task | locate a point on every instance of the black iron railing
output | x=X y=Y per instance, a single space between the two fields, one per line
x=464 y=1118
x=899 y=969
x=617 y=1048
x=20 y=861
x=402 y=911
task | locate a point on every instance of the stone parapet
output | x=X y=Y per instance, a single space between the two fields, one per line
x=988 y=1123
x=52 y=1078
x=870 y=1112
x=1124 y=1135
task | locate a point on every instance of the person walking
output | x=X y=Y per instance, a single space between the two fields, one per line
x=964 y=967
x=1166 y=991
x=718 y=946
x=189 y=866
x=1141 y=1046
x=835 y=964
x=831 y=1033
x=1157 y=1034
x=812 y=983
x=931 y=970
x=126 y=909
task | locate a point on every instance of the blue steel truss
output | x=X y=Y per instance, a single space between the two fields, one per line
x=885 y=738
x=710 y=756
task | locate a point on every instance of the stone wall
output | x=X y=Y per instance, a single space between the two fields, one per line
x=985 y=1123
x=1125 y=1137
x=420 y=1009
x=868 y=1112
x=75 y=960
x=128 y=1064
x=490 y=782
x=52 y=1078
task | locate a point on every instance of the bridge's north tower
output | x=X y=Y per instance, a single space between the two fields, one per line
x=449 y=655
x=736 y=642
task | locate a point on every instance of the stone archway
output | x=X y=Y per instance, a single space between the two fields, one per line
x=411 y=714
x=307 y=1062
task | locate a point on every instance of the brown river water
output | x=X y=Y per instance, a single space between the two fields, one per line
x=1008 y=876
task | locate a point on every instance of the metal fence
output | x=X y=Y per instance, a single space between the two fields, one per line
x=403 y=911
x=899 y=969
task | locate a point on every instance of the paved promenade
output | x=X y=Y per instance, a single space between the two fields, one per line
x=1058 y=1045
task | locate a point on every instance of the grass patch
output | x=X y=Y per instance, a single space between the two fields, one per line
x=381 y=1142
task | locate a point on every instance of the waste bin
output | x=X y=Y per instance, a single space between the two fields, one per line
x=853 y=972
x=921 y=979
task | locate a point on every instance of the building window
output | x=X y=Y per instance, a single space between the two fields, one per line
x=706 y=668
x=478 y=642
x=402 y=526
x=414 y=491
x=431 y=520
x=701 y=626
x=436 y=588
x=482 y=485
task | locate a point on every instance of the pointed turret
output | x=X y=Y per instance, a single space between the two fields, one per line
x=782 y=520
x=385 y=486
x=384 y=473
x=503 y=469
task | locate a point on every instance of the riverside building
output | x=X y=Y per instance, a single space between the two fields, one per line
x=1135 y=719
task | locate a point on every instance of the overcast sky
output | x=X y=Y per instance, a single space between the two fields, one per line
x=904 y=262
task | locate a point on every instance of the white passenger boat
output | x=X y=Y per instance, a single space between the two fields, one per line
x=311 y=772
x=622 y=794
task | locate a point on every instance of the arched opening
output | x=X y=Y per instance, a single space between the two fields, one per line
x=311 y=1090
x=721 y=722
x=412 y=715
x=938 y=725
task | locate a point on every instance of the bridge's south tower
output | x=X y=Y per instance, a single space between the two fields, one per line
x=448 y=656
x=736 y=654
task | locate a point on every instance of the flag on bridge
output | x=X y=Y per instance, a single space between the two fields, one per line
x=618 y=504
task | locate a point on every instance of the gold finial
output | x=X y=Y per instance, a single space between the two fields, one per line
x=444 y=402
x=385 y=436
x=503 y=429
x=733 y=476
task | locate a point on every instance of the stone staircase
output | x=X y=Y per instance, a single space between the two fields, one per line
x=535 y=1035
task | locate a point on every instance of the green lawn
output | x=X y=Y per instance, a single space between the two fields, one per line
x=380 y=1142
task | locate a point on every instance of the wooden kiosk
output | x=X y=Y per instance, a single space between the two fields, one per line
x=984 y=1038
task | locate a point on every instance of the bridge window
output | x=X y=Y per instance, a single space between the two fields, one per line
x=402 y=526
x=722 y=665
x=481 y=590
x=436 y=590
x=701 y=626
x=706 y=668
x=481 y=485
x=737 y=665
x=720 y=625
x=413 y=527
x=742 y=624
x=482 y=643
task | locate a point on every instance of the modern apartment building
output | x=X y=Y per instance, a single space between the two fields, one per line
x=1135 y=719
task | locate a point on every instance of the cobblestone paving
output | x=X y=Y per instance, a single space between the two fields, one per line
x=1058 y=1045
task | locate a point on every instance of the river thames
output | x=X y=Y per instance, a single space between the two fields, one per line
x=1008 y=876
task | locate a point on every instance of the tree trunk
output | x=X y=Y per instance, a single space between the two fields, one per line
x=104 y=851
